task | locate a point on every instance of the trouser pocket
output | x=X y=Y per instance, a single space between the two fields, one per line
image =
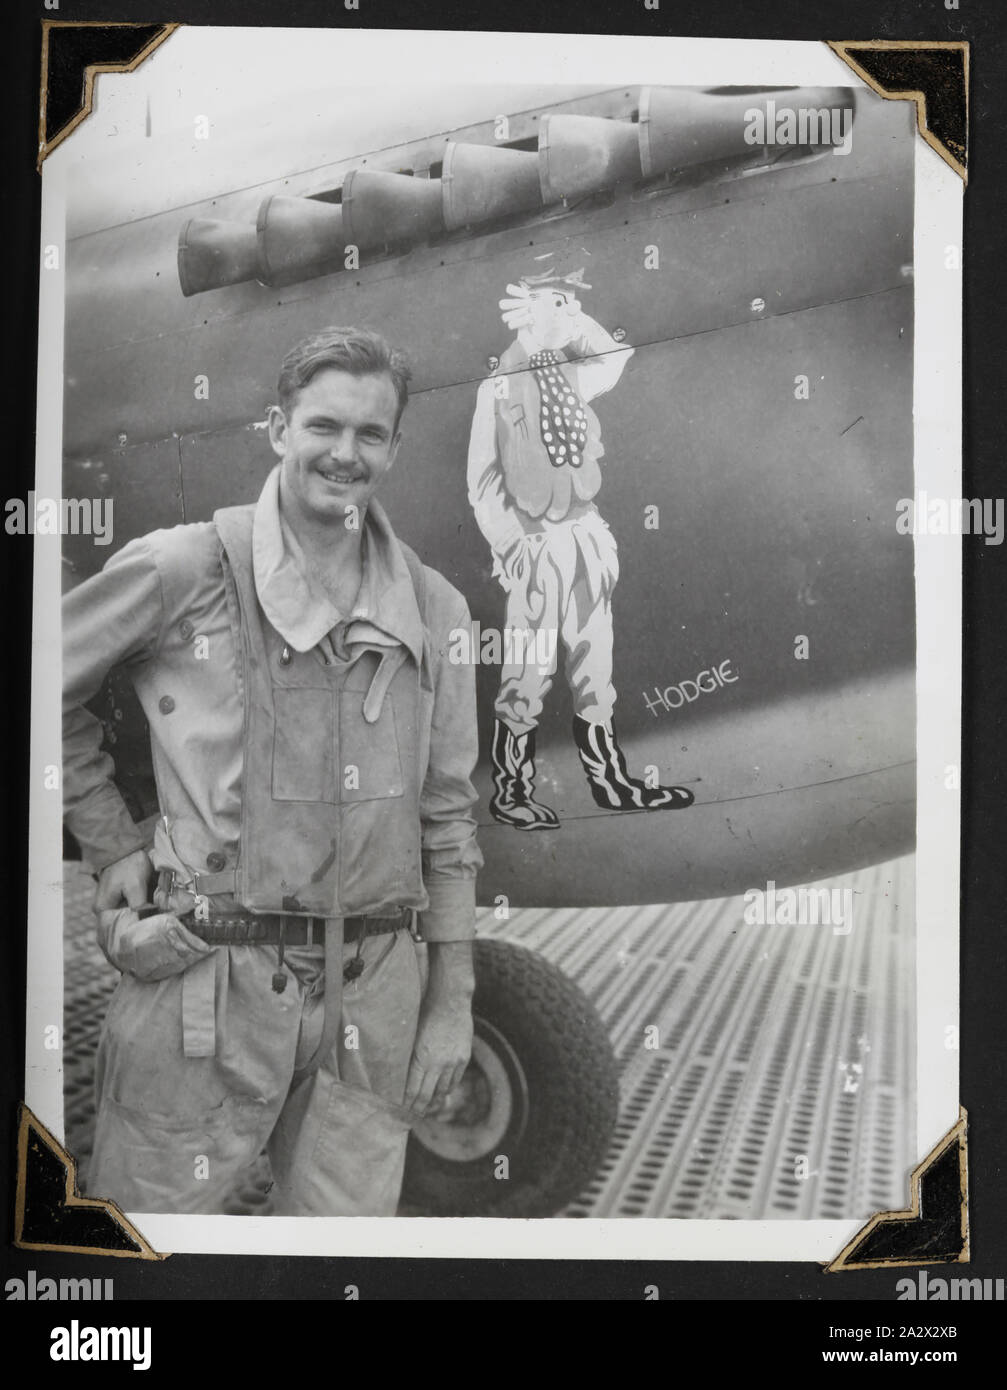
x=174 y=1131
x=149 y=1161
x=340 y=1151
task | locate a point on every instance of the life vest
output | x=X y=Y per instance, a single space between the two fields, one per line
x=334 y=760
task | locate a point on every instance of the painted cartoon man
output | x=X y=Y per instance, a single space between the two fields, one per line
x=533 y=473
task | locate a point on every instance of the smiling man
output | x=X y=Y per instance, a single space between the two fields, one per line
x=313 y=749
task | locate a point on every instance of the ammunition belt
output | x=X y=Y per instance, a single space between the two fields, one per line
x=248 y=929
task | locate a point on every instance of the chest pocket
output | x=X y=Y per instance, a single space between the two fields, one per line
x=305 y=749
x=324 y=750
x=369 y=756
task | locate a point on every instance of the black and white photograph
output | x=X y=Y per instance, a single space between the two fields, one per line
x=506 y=515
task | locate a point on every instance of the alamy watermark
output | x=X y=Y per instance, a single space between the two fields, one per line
x=807 y=125
x=800 y=907
x=60 y=516
x=76 y=1343
x=924 y=515
x=925 y=1288
x=32 y=1289
x=511 y=646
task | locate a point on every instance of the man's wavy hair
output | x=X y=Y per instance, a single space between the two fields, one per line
x=359 y=351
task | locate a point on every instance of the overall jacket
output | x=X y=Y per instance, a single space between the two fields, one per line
x=298 y=783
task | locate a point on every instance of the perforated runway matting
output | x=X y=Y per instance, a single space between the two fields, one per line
x=766 y=1070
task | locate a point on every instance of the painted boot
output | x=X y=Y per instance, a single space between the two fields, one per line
x=512 y=802
x=610 y=782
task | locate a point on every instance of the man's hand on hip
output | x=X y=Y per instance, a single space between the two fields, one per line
x=444 y=1035
x=149 y=949
x=126 y=881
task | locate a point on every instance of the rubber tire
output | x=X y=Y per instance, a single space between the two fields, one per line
x=572 y=1087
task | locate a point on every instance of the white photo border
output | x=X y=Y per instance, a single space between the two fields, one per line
x=387 y=57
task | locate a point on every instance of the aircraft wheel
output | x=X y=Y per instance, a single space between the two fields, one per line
x=535 y=1112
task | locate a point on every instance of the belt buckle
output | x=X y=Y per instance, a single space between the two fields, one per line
x=285 y=920
x=201 y=908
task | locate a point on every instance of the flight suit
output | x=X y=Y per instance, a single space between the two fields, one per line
x=310 y=775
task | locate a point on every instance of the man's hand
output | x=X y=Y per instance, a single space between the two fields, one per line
x=126 y=881
x=150 y=949
x=444 y=1036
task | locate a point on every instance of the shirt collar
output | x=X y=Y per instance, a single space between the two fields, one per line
x=301 y=613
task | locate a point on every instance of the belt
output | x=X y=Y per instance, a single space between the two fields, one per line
x=270 y=930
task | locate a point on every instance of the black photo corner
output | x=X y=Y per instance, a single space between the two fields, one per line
x=954 y=1218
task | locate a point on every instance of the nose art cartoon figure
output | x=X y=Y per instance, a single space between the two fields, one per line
x=533 y=473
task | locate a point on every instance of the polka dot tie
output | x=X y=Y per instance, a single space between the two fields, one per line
x=562 y=420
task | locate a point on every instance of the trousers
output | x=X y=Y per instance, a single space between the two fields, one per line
x=174 y=1132
x=562 y=586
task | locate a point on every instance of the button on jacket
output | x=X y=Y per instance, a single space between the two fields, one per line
x=163 y=608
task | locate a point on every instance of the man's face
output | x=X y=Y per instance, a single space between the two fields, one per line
x=337 y=443
x=552 y=314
